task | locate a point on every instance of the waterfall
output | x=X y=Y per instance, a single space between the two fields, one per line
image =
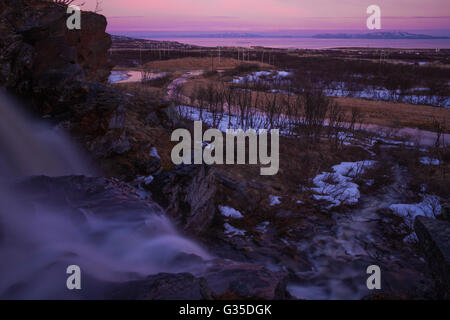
x=54 y=214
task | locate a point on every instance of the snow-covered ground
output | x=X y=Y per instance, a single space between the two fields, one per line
x=262 y=227
x=265 y=77
x=224 y=121
x=274 y=200
x=154 y=153
x=230 y=212
x=231 y=231
x=429 y=207
x=382 y=94
x=337 y=187
x=429 y=161
x=343 y=89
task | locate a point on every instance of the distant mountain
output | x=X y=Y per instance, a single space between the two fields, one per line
x=224 y=35
x=376 y=35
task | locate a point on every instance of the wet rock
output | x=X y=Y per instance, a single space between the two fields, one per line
x=118 y=119
x=246 y=281
x=446 y=211
x=164 y=286
x=434 y=239
x=99 y=195
x=152 y=119
x=109 y=144
x=235 y=192
x=187 y=194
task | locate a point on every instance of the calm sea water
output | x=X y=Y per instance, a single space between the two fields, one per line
x=309 y=43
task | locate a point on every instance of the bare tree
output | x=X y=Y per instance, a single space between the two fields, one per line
x=316 y=105
x=98 y=6
x=64 y=2
x=67 y=3
x=336 y=124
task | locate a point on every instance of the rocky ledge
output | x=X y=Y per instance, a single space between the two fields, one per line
x=60 y=74
x=98 y=221
x=434 y=238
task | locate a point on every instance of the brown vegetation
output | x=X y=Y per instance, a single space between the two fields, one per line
x=191 y=63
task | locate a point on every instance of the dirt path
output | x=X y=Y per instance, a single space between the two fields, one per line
x=172 y=87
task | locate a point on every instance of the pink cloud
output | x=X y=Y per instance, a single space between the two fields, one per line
x=270 y=14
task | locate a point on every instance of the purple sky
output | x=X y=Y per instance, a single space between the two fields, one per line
x=271 y=15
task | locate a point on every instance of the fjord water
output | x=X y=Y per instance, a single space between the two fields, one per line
x=49 y=223
x=312 y=43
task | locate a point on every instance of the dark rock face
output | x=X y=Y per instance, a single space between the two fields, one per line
x=223 y=280
x=102 y=209
x=446 y=211
x=39 y=55
x=187 y=193
x=164 y=286
x=246 y=281
x=61 y=73
x=434 y=238
x=101 y=195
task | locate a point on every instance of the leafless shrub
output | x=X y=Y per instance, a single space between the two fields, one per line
x=98 y=6
x=439 y=149
x=315 y=106
x=67 y=3
x=64 y=2
x=336 y=126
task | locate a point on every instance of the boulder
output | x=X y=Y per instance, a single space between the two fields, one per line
x=102 y=196
x=246 y=281
x=39 y=53
x=446 y=211
x=224 y=279
x=434 y=239
x=187 y=194
x=163 y=286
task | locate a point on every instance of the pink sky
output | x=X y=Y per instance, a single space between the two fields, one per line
x=266 y=15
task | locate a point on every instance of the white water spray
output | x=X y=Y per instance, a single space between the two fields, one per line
x=47 y=224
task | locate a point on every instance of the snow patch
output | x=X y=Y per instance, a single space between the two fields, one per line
x=274 y=200
x=262 y=227
x=231 y=231
x=337 y=187
x=154 y=153
x=265 y=77
x=411 y=238
x=230 y=212
x=429 y=161
x=429 y=207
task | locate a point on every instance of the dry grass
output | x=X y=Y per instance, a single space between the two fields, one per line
x=187 y=64
x=391 y=114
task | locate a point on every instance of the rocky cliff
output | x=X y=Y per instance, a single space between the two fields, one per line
x=434 y=236
x=60 y=73
x=39 y=55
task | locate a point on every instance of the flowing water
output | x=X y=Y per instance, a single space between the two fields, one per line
x=50 y=223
